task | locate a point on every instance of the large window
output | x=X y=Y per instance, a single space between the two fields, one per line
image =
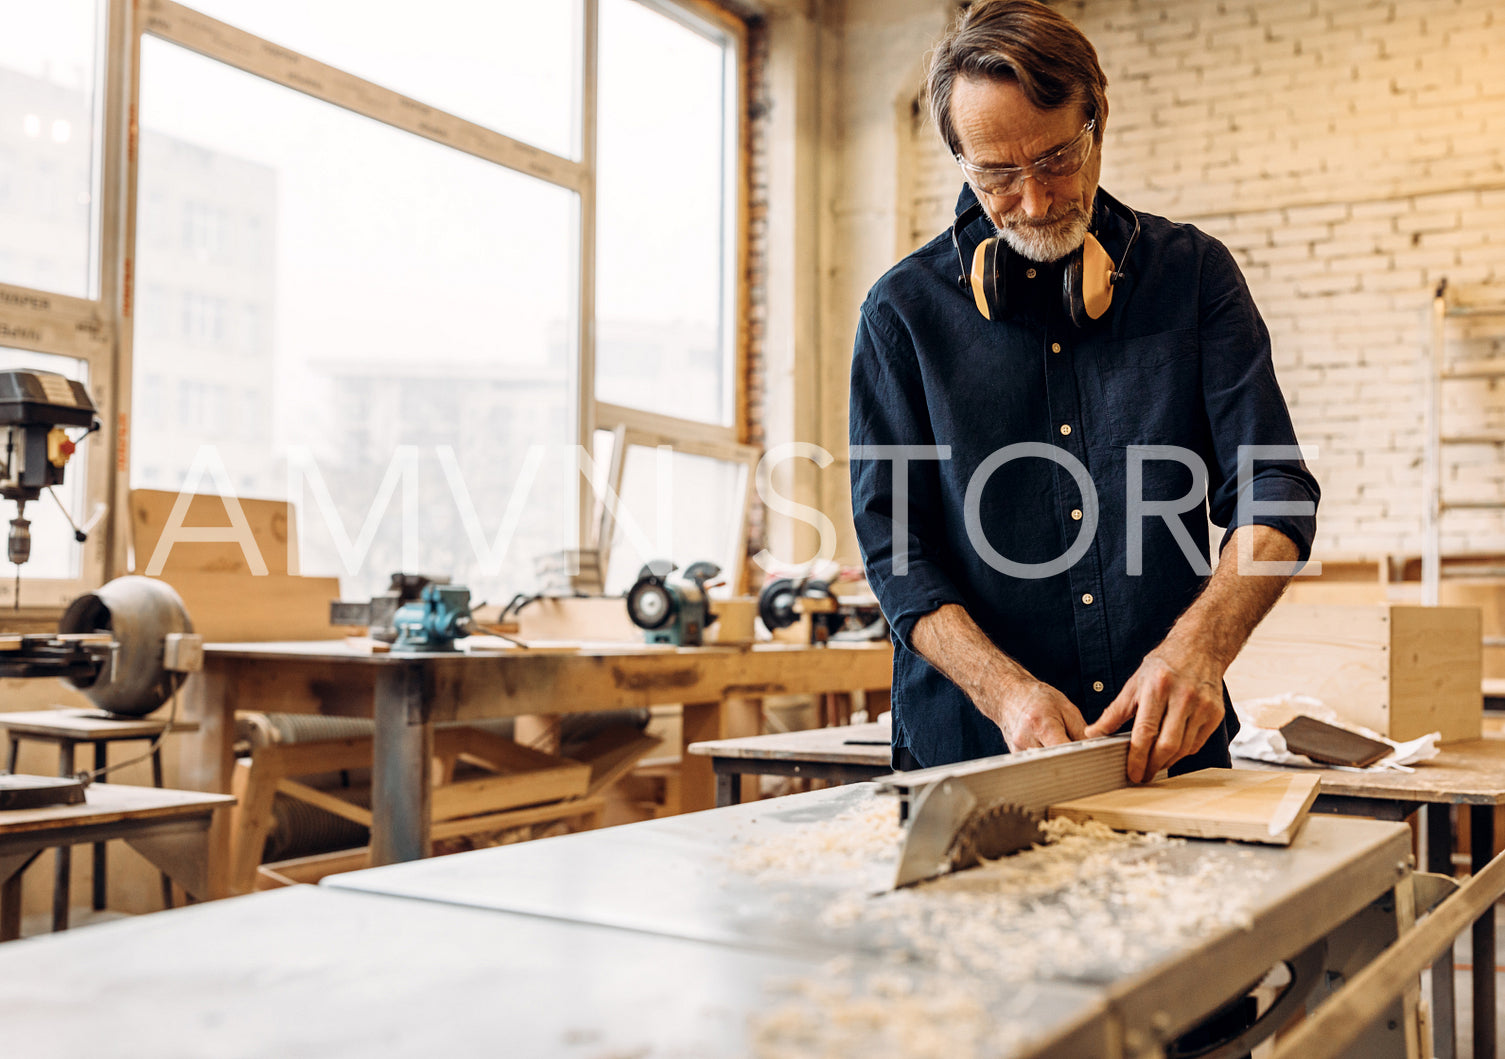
x=667 y=147
x=396 y=264
x=407 y=318
x=326 y=302
x=57 y=290
x=50 y=79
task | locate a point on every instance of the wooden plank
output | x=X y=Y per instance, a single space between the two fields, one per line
x=587 y=618
x=1212 y=803
x=1436 y=673
x=271 y=522
x=540 y=814
x=498 y=792
x=330 y=803
x=491 y=751
x=228 y=607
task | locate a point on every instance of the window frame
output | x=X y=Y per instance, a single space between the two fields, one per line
x=181 y=25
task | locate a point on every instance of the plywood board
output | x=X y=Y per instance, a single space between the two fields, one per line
x=1213 y=803
x=272 y=529
x=577 y=618
x=236 y=608
x=1400 y=670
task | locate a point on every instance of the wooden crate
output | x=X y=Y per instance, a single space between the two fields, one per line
x=1400 y=670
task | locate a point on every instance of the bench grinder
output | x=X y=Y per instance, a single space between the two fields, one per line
x=672 y=610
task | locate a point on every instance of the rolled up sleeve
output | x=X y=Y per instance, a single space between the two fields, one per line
x=1260 y=477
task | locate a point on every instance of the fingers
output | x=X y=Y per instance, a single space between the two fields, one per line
x=1191 y=716
x=1118 y=711
x=1076 y=724
x=1147 y=721
x=1042 y=717
x=1168 y=746
x=1053 y=732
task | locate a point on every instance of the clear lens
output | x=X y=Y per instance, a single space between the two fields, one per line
x=1010 y=179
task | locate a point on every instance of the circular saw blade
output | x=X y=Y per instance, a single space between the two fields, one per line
x=994 y=831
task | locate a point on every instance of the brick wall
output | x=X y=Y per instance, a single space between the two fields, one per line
x=1351 y=154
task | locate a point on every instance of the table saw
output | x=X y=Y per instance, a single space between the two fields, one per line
x=766 y=929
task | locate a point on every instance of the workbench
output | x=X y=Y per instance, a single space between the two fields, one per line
x=1466 y=774
x=649 y=939
x=409 y=692
x=845 y=753
x=169 y=828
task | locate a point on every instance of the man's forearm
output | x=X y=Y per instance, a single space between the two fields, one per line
x=951 y=641
x=1027 y=712
x=1235 y=600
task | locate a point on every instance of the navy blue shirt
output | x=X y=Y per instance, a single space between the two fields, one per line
x=1181 y=359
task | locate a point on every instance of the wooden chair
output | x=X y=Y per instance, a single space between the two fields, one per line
x=516 y=787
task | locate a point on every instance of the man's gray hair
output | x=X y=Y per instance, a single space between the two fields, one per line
x=1022 y=41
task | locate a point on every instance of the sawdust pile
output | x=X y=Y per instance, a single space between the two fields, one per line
x=848 y=843
x=1090 y=905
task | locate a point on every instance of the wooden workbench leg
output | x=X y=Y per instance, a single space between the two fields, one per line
x=11 y=867
x=1438 y=819
x=700 y=721
x=403 y=745
x=1481 y=838
x=206 y=754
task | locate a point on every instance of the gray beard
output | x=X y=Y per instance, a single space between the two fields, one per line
x=1047 y=243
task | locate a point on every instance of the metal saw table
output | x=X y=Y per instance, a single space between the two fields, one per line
x=651 y=940
x=1343 y=880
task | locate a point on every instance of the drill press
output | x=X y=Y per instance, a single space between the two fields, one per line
x=35 y=406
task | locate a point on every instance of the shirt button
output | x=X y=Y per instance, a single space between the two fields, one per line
x=1065 y=428
x=1087 y=598
x=1076 y=514
x=1029 y=273
x=1055 y=347
x=1097 y=685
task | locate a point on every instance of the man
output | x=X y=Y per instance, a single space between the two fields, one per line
x=1028 y=485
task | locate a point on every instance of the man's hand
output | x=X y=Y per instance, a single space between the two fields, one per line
x=1030 y=714
x=1176 y=694
x=1176 y=700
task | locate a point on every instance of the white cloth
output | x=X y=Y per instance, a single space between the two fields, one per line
x=1257 y=743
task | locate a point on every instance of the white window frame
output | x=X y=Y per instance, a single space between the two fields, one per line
x=101 y=331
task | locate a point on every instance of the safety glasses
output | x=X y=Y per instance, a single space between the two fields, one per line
x=1007 y=181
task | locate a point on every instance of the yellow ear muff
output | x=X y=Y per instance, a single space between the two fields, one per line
x=1097 y=278
x=984 y=261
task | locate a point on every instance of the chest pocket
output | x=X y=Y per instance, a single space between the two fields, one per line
x=1151 y=390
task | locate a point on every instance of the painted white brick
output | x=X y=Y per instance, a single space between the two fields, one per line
x=1350 y=153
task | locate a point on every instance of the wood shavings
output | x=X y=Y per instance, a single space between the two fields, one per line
x=888 y=1012
x=847 y=843
x=1089 y=905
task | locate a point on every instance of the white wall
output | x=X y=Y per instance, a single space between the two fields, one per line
x=1351 y=154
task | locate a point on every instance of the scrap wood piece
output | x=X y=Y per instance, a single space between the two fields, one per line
x=1266 y=807
x=1331 y=745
